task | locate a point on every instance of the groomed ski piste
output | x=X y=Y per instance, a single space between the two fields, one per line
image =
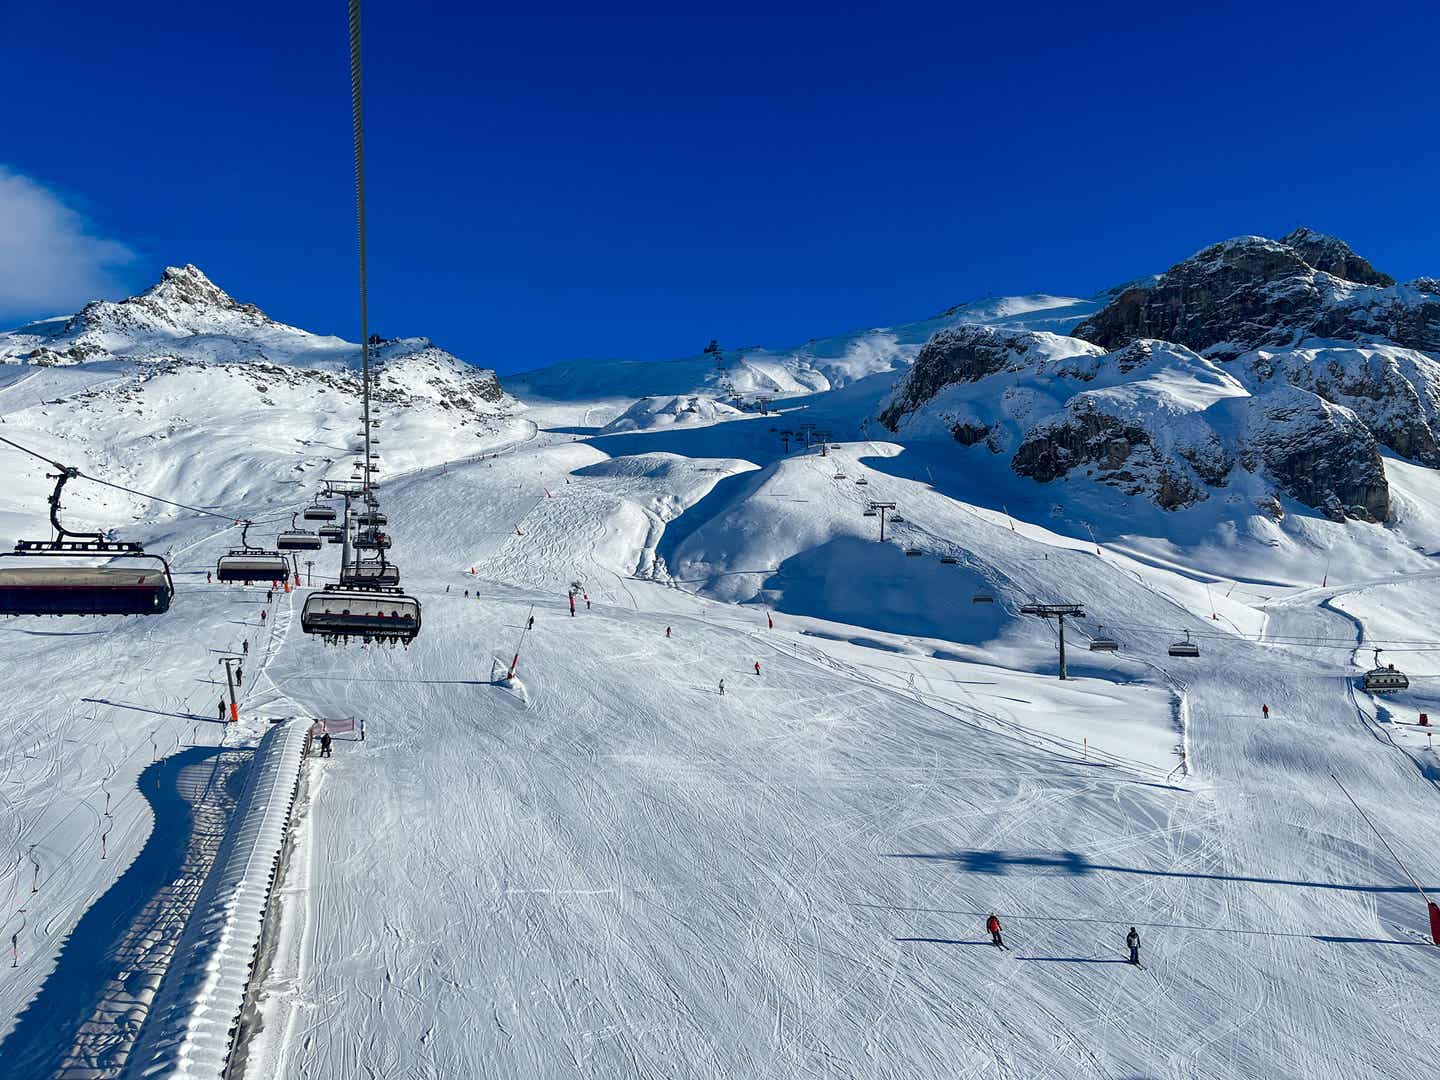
x=605 y=867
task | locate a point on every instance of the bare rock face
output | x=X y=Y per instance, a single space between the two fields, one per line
x=1318 y=453
x=1252 y=292
x=1334 y=257
x=961 y=354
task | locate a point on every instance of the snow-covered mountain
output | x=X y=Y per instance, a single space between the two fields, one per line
x=154 y=385
x=1253 y=367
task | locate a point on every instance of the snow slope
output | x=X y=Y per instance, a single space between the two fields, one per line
x=608 y=868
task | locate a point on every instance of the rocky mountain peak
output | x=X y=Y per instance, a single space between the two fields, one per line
x=1334 y=256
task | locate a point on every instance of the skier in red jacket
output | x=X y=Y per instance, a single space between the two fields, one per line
x=992 y=924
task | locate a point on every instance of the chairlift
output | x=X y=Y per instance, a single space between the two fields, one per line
x=338 y=613
x=293 y=539
x=860 y=481
x=370 y=572
x=248 y=563
x=912 y=552
x=948 y=560
x=869 y=513
x=130 y=582
x=369 y=519
x=333 y=534
x=372 y=539
x=896 y=519
x=982 y=598
x=1101 y=643
x=839 y=476
x=318 y=511
x=1184 y=648
x=1384 y=678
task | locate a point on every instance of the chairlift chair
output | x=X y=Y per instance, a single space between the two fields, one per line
x=1184 y=648
x=1384 y=678
x=338 y=613
x=319 y=512
x=370 y=572
x=293 y=539
x=860 y=481
x=912 y=552
x=248 y=563
x=870 y=513
x=129 y=583
x=1101 y=643
x=369 y=519
x=982 y=598
x=948 y=560
x=372 y=540
x=333 y=534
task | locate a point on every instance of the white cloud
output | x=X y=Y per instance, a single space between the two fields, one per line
x=50 y=261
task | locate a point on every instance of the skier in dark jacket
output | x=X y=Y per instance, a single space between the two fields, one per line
x=325 y=745
x=531 y=624
x=992 y=924
x=245 y=646
x=1132 y=941
x=222 y=710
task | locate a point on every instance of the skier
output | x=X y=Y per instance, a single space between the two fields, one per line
x=667 y=631
x=1132 y=941
x=722 y=687
x=269 y=595
x=757 y=667
x=207 y=577
x=531 y=624
x=325 y=745
x=262 y=614
x=447 y=588
x=587 y=601
x=467 y=594
x=239 y=674
x=222 y=710
x=1265 y=712
x=992 y=924
x=245 y=646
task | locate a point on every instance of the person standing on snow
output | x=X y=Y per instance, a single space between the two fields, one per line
x=245 y=646
x=1132 y=942
x=1265 y=712
x=667 y=631
x=239 y=674
x=207 y=577
x=722 y=687
x=262 y=614
x=757 y=667
x=222 y=710
x=992 y=924
x=587 y=601
x=325 y=744
x=531 y=624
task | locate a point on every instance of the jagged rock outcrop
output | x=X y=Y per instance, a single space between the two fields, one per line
x=1252 y=292
x=1334 y=256
x=1319 y=453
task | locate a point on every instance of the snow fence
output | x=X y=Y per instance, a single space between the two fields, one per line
x=191 y=1029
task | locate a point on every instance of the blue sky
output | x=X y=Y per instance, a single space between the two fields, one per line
x=633 y=182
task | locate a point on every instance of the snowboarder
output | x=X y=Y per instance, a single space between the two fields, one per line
x=722 y=687
x=667 y=631
x=1265 y=712
x=992 y=924
x=325 y=745
x=222 y=710
x=245 y=646
x=530 y=625
x=1132 y=941
x=757 y=667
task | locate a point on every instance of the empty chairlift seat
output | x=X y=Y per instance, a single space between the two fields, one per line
x=298 y=540
x=40 y=582
x=1102 y=642
x=1184 y=648
x=948 y=560
x=252 y=566
x=338 y=614
x=982 y=598
x=370 y=572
